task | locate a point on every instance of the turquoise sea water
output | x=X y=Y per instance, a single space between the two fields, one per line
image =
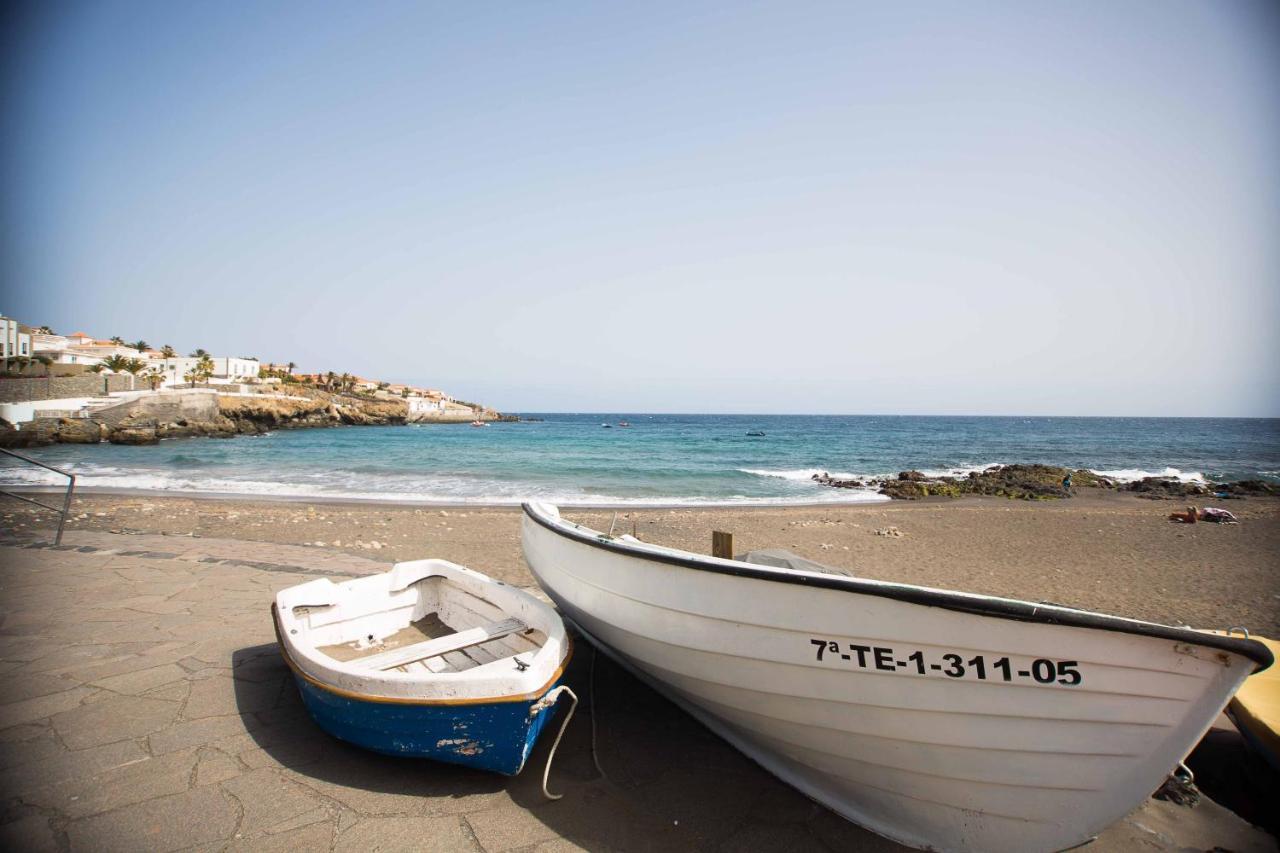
x=662 y=459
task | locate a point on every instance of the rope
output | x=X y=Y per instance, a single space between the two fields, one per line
x=595 y=753
x=546 y=702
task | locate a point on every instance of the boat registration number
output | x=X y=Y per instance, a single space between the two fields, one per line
x=952 y=665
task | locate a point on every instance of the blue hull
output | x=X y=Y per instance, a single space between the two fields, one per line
x=496 y=736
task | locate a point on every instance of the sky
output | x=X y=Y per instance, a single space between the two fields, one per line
x=923 y=208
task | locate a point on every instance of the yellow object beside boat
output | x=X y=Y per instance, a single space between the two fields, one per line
x=1255 y=709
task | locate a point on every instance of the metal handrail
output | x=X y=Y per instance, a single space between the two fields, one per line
x=66 y=500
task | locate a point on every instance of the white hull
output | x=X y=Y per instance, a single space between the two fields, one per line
x=1058 y=723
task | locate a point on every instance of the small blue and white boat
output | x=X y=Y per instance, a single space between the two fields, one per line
x=430 y=659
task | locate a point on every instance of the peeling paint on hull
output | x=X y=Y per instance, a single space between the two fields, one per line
x=498 y=736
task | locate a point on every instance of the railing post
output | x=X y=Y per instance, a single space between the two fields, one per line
x=66 y=508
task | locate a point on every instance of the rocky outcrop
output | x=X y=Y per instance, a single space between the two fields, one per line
x=259 y=414
x=1164 y=488
x=1243 y=488
x=135 y=430
x=1023 y=482
x=79 y=431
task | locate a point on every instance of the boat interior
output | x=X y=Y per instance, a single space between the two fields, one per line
x=433 y=625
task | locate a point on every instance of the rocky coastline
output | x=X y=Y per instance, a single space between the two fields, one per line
x=1042 y=482
x=223 y=416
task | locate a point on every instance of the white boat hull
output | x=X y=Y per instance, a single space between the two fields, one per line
x=940 y=720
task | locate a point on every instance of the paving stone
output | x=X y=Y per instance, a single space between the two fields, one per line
x=125 y=785
x=198 y=732
x=113 y=719
x=779 y=837
x=55 y=763
x=23 y=685
x=219 y=696
x=391 y=834
x=29 y=835
x=215 y=766
x=31 y=710
x=142 y=680
x=267 y=800
x=316 y=836
x=198 y=816
x=508 y=827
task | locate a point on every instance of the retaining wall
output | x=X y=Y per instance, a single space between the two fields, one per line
x=25 y=389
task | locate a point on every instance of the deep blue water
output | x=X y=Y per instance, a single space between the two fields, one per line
x=664 y=458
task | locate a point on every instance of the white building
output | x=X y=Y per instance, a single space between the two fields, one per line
x=14 y=341
x=421 y=405
x=225 y=370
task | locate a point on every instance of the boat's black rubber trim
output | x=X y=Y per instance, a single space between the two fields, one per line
x=999 y=608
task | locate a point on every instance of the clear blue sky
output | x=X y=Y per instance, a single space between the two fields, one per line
x=1031 y=208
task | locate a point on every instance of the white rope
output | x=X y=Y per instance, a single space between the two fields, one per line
x=595 y=753
x=546 y=702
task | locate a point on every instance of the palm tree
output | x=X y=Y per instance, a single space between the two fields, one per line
x=154 y=376
x=45 y=360
x=205 y=366
x=140 y=346
x=97 y=368
x=199 y=353
x=168 y=351
x=117 y=363
x=117 y=340
x=291 y=367
x=45 y=330
x=135 y=366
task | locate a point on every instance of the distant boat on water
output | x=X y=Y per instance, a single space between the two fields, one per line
x=478 y=423
x=756 y=433
x=623 y=424
x=607 y=426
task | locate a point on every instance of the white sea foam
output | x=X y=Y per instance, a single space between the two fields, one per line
x=1129 y=475
x=958 y=472
x=438 y=489
x=800 y=473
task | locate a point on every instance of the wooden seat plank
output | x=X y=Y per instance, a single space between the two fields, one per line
x=441 y=645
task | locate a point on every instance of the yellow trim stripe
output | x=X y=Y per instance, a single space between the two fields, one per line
x=397 y=700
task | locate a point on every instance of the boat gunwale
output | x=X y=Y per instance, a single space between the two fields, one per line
x=962 y=602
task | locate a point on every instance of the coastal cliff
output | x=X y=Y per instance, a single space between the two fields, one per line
x=149 y=419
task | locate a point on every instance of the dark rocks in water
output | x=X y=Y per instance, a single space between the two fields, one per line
x=826 y=479
x=910 y=490
x=1164 y=488
x=1022 y=482
x=1243 y=488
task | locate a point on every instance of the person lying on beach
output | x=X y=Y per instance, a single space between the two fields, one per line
x=1191 y=516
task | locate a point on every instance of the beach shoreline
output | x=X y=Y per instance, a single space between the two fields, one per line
x=1102 y=551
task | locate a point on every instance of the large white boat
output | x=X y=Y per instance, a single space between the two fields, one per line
x=939 y=719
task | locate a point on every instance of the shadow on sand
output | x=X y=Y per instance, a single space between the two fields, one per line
x=669 y=783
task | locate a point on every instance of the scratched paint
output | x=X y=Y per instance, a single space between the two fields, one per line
x=496 y=737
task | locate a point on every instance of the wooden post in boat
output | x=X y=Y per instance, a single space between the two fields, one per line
x=722 y=544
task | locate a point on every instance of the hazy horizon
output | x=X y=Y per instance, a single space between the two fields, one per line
x=827 y=208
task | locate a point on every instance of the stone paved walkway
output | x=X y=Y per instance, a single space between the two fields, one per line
x=146 y=708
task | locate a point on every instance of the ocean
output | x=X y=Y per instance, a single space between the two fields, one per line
x=660 y=459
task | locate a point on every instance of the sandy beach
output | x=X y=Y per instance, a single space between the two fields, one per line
x=1100 y=551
